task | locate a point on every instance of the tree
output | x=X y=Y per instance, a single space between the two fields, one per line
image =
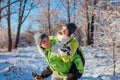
x=88 y=23
x=0 y=9
x=8 y=14
x=89 y=14
x=9 y=29
x=49 y=25
x=4 y=7
x=92 y=24
x=107 y=30
x=44 y=16
x=74 y=10
x=68 y=10
x=3 y=37
x=22 y=17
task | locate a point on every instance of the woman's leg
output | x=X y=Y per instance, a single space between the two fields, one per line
x=58 y=77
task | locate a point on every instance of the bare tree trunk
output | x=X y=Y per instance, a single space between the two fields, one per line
x=19 y=26
x=49 y=24
x=0 y=10
x=17 y=36
x=21 y=13
x=9 y=29
x=22 y=18
x=92 y=31
x=88 y=23
x=68 y=10
x=74 y=9
x=113 y=40
x=92 y=27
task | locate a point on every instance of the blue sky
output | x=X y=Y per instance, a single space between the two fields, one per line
x=34 y=14
x=14 y=21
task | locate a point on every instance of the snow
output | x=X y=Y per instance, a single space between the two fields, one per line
x=18 y=65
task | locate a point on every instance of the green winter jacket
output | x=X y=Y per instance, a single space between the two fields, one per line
x=62 y=64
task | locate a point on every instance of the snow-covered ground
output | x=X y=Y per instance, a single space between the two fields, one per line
x=19 y=64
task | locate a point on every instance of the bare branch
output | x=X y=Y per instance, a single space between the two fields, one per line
x=9 y=4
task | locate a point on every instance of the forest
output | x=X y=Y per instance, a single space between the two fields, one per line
x=98 y=32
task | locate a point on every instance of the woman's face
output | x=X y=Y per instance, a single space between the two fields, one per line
x=45 y=43
x=64 y=31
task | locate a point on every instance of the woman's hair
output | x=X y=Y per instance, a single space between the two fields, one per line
x=71 y=27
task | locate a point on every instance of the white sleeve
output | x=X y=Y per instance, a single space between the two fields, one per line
x=55 y=49
x=58 y=50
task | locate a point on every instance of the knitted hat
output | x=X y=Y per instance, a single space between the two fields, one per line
x=38 y=37
x=71 y=27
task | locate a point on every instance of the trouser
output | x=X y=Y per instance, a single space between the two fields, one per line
x=58 y=77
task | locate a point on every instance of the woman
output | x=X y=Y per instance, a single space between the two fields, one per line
x=67 y=38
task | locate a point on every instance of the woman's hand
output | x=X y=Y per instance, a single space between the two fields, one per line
x=37 y=77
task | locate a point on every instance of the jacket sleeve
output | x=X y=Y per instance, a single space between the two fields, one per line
x=74 y=46
x=78 y=63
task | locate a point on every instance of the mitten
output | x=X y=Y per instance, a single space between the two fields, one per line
x=46 y=72
x=37 y=77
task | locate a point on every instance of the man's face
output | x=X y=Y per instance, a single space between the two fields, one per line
x=64 y=31
x=45 y=43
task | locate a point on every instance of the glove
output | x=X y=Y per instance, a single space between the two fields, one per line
x=37 y=77
x=71 y=77
x=46 y=72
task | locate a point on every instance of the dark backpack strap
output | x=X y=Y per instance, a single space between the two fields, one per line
x=73 y=68
x=81 y=55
